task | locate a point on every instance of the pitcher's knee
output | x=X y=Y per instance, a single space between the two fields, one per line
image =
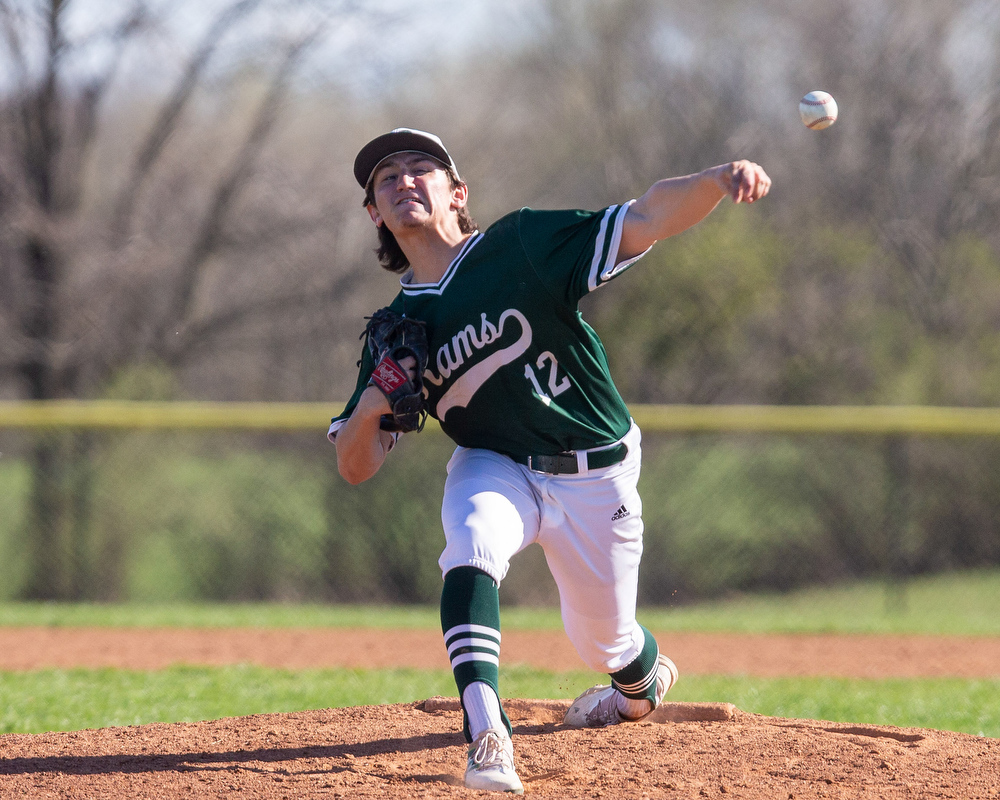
x=605 y=645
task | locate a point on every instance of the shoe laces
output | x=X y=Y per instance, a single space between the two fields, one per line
x=605 y=712
x=489 y=750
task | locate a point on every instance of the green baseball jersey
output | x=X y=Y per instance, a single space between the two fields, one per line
x=513 y=367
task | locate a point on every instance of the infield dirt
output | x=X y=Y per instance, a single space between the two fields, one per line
x=416 y=750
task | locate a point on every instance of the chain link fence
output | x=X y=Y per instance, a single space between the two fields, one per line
x=173 y=513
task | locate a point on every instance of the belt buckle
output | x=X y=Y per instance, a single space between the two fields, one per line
x=559 y=464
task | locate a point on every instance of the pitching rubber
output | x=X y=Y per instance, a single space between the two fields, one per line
x=543 y=711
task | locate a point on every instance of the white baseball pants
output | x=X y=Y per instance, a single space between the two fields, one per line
x=589 y=525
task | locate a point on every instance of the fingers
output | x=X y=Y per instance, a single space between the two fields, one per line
x=409 y=363
x=747 y=182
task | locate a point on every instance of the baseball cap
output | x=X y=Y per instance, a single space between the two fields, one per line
x=400 y=140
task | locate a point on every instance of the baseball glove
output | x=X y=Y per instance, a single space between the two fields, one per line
x=391 y=338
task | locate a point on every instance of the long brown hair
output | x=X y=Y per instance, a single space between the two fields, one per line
x=390 y=254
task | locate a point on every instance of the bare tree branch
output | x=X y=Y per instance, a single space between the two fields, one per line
x=200 y=336
x=10 y=19
x=93 y=93
x=241 y=169
x=41 y=134
x=169 y=116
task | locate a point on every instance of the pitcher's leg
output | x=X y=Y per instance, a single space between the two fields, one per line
x=594 y=548
x=488 y=514
x=470 y=622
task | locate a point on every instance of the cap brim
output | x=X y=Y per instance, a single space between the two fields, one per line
x=397 y=141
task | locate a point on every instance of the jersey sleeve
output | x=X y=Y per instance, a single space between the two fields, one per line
x=366 y=367
x=574 y=252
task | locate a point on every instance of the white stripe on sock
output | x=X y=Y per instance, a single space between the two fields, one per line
x=483 y=629
x=466 y=657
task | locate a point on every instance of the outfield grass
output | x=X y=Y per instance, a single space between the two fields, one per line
x=64 y=700
x=966 y=603
x=957 y=604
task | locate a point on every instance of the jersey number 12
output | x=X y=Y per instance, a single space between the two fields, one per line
x=556 y=385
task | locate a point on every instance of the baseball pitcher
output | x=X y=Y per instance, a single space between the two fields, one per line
x=485 y=335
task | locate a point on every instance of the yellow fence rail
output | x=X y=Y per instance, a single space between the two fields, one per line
x=122 y=415
x=921 y=420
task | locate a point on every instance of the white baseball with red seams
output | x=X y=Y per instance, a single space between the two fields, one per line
x=818 y=110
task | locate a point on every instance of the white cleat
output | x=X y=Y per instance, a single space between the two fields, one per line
x=491 y=764
x=598 y=706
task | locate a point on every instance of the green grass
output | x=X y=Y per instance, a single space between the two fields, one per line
x=950 y=704
x=966 y=603
x=63 y=700
x=962 y=604
x=229 y=615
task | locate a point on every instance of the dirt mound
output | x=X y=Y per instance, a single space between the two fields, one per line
x=689 y=750
x=415 y=750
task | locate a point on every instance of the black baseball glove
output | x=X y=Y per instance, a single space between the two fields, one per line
x=391 y=338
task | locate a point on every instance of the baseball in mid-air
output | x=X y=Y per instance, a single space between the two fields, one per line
x=818 y=110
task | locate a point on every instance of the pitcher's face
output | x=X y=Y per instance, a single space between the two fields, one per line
x=413 y=190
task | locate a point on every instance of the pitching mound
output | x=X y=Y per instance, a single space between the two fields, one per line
x=415 y=750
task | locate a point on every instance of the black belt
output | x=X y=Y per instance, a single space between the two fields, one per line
x=567 y=464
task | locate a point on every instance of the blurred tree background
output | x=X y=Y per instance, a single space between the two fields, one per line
x=178 y=220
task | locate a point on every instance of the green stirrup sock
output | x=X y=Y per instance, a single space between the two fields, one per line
x=637 y=679
x=470 y=622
